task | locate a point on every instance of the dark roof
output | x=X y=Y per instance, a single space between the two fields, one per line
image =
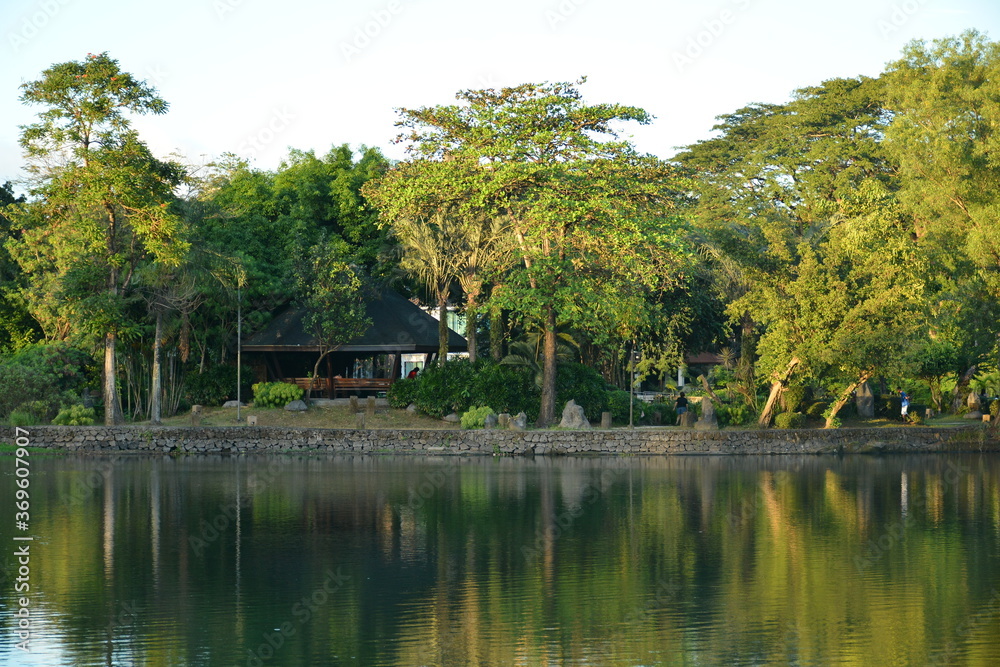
x=397 y=326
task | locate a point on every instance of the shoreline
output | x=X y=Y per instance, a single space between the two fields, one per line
x=644 y=441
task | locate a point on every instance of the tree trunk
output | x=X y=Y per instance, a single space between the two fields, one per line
x=547 y=413
x=112 y=408
x=156 y=392
x=496 y=334
x=442 y=327
x=961 y=389
x=844 y=397
x=777 y=387
x=315 y=374
x=471 y=311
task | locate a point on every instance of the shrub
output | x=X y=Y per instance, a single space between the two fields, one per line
x=445 y=388
x=735 y=414
x=583 y=385
x=790 y=420
x=995 y=409
x=817 y=409
x=507 y=388
x=75 y=415
x=275 y=394
x=22 y=418
x=476 y=417
x=216 y=385
x=792 y=397
x=64 y=368
x=402 y=392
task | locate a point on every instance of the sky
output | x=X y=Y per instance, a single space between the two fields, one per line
x=254 y=77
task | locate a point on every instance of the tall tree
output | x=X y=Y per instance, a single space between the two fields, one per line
x=101 y=202
x=593 y=219
x=946 y=100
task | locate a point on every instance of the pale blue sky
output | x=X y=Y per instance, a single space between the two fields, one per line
x=255 y=77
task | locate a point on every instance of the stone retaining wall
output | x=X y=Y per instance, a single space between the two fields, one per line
x=617 y=441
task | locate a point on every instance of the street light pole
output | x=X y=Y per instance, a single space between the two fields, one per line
x=239 y=350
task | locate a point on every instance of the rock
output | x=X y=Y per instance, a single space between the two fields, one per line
x=606 y=419
x=973 y=414
x=708 y=419
x=234 y=404
x=864 y=399
x=490 y=421
x=574 y=417
x=503 y=420
x=452 y=418
x=412 y=407
x=687 y=419
x=252 y=420
x=519 y=422
x=297 y=406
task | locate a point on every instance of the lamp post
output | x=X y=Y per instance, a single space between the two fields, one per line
x=239 y=348
x=631 y=385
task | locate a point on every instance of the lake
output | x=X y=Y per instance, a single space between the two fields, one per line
x=405 y=560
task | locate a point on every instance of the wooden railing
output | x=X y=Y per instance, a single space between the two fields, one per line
x=342 y=386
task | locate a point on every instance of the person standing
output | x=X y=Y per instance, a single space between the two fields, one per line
x=904 y=402
x=681 y=406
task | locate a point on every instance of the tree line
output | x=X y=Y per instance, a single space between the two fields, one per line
x=846 y=235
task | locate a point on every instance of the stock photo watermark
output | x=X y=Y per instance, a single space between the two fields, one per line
x=301 y=613
x=280 y=120
x=899 y=15
x=34 y=22
x=712 y=29
x=560 y=523
x=562 y=12
x=370 y=30
x=22 y=539
x=895 y=532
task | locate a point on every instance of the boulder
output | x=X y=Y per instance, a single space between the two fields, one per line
x=687 y=420
x=234 y=404
x=519 y=422
x=503 y=420
x=490 y=421
x=573 y=416
x=452 y=418
x=708 y=419
x=864 y=399
x=297 y=406
x=412 y=407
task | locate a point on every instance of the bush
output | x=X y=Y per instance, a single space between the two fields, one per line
x=735 y=414
x=792 y=398
x=995 y=409
x=790 y=420
x=75 y=415
x=817 y=409
x=476 y=417
x=64 y=368
x=445 y=388
x=583 y=385
x=23 y=418
x=216 y=385
x=507 y=388
x=402 y=392
x=275 y=394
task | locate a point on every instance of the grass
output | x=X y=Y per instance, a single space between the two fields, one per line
x=322 y=416
x=7 y=448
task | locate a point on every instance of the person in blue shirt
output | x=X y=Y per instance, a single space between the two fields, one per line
x=904 y=401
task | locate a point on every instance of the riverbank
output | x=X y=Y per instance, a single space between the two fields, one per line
x=269 y=439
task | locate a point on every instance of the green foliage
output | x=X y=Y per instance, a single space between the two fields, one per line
x=618 y=402
x=30 y=391
x=445 y=388
x=584 y=385
x=402 y=392
x=216 y=385
x=476 y=417
x=790 y=420
x=506 y=388
x=817 y=409
x=75 y=415
x=23 y=418
x=275 y=394
x=735 y=414
x=793 y=396
x=65 y=368
x=995 y=409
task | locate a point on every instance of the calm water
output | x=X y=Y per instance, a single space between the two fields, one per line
x=498 y=561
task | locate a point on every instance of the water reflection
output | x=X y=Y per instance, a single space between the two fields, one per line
x=314 y=560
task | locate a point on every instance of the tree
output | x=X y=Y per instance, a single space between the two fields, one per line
x=946 y=99
x=593 y=220
x=333 y=297
x=101 y=202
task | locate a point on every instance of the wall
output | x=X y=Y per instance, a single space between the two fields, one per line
x=618 y=441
